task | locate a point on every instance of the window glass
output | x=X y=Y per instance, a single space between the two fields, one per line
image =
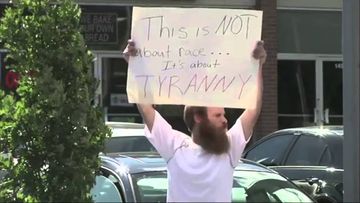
x=151 y=187
x=271 y=151
x=306 y=31
x=296 y=82
x=105 y=190
x=325 y=159
x=333 y=94
x=114 y=97
x=296 y=93
x=306 y=151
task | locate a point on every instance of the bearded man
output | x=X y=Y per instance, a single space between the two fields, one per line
x=201 y=167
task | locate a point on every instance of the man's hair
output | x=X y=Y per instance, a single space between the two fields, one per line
x=190 y=112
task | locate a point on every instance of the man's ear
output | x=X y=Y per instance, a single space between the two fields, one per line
x=197 y=118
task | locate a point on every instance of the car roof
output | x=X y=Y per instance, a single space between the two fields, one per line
x=123 y=129
x=137 y=162
x=124 y=125
x=333 y=136
x=316 y=130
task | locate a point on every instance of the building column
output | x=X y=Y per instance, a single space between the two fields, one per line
x=351 y=100
x=268 y=121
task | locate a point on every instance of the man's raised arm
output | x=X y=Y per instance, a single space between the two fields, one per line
x=146 y=110
x=249 y=116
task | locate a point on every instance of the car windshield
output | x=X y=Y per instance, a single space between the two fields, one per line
x=128 y=144
x=248 y=186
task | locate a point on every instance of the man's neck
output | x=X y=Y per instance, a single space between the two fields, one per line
x=195 y=138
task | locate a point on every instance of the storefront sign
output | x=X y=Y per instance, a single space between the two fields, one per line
x=194 y=56
x=99 y=28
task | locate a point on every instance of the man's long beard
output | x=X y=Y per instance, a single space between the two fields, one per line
x=212 y=139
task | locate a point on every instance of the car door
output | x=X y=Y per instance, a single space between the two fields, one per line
x=271 y=150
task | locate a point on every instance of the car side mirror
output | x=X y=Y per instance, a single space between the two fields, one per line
x=340 y=188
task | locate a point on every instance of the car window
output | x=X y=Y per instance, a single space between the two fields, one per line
x=307 y=151
x=105 y=190
x=325 y=159
x=257 y=186
x=128 y=144
x=271 y=151
x=151 y=186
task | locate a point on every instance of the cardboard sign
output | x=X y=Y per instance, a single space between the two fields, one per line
x=194 y=56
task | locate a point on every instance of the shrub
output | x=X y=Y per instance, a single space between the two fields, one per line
x=50 y=129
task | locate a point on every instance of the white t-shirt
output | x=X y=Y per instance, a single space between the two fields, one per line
x=193 y=174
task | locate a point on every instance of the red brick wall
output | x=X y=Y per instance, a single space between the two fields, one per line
x=268 y=121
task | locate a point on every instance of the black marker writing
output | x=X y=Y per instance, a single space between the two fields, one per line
x=174 y=84
x=243 y=84
x=234 y=24
x=145 y=82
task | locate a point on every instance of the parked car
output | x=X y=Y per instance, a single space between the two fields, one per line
x=306 y=154
x=127 y=137
x=142 y=177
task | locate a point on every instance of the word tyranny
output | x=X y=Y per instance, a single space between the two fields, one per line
x=166 y=85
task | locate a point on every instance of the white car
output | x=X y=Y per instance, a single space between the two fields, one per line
x=127 y=137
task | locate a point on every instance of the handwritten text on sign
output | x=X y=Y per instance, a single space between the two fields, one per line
x=194 y=56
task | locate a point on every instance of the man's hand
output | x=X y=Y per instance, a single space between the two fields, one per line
x=130 y=50
x=259 y=52
x=146 y=110
x=249 y=116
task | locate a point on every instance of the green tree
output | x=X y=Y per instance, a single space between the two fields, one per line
x=50 y=130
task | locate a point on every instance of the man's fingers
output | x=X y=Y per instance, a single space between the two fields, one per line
x=260 y=43
x=131 y=42
x=130 y=49
x=259 y=51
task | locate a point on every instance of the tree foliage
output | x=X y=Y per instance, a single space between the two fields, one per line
x=51 y=133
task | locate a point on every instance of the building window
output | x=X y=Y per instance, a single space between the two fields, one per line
x=308 y=31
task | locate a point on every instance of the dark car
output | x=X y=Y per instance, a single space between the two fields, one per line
x=310 y=155
x=142 y=177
